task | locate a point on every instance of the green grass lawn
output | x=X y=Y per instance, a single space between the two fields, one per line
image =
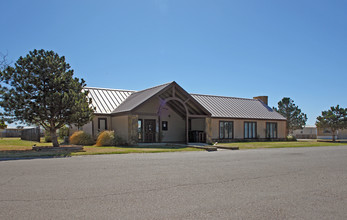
x=18 y=144
x=279 y=144
x=14 y=148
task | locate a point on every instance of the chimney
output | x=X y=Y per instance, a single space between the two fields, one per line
x=262 y=98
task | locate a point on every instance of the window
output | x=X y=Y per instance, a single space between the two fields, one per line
x=250 y=130
x=139 y=129
x=271 y=130
x=226 y=130
x=102 y=124
x=164 y=125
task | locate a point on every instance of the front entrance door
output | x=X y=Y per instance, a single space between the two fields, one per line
x=149 y=130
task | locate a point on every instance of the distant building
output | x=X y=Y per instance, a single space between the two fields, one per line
x=307 y=132
x=11 y=132
x=325 y=133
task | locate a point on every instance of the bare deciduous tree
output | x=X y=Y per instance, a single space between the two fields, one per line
x=3 y=61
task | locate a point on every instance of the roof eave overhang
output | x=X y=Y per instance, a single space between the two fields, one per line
x=102 y=114
x=268 y=119
x=121 y=113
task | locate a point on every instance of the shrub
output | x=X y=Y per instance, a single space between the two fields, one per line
x=81 y=138
x=291 y=138
x=119 y=141
x=64 y=131
x=48 y=137
x=105 y=138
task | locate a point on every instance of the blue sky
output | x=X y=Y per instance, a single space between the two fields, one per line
x=242 y=48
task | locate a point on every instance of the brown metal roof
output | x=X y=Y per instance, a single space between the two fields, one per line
x=106 y=100
x=137 y=98
x=230 y=107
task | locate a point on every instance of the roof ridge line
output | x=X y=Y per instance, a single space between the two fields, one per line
x=138 y=93
x=125 y=90
x=154 y=87
x=220 y=96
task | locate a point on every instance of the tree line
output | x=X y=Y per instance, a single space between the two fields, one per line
x=333 y=119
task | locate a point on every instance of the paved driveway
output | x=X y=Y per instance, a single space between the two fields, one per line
x=297 y=183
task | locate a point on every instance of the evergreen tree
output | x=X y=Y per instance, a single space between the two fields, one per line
x=40 y=89
x=334 y=119
x=295 y=118
x=2 y=124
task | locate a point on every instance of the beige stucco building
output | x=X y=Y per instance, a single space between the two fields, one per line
x=325 y=133
x=307 y=132
x=167 y=113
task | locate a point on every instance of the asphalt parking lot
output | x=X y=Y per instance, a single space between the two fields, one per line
x=292 y=183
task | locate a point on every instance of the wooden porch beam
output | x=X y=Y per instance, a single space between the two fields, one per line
x=187 y=131
x=145 y=114
x=176 y=109
x=159 y=130
x=198 y=116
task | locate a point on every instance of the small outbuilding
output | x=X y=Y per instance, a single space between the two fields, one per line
x=307 y=132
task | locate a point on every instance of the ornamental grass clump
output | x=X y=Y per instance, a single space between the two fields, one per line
x=81 y=138
x=106 y=138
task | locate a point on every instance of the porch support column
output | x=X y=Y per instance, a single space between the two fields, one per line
x=208 y=130
x=187 y=129
x=132 y=129
x=159 y=130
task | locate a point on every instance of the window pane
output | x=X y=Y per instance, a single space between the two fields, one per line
x=271 y=130
x=139 y=125
x=221 y=130
x=250 y=135
x=102 y=124
x=230 y=130
x=275 y=130
x=226 y=127
x=246 y=130
x=253 y=131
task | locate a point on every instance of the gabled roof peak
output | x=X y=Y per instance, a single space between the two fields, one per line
x=164 y=84
x=137 y=98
